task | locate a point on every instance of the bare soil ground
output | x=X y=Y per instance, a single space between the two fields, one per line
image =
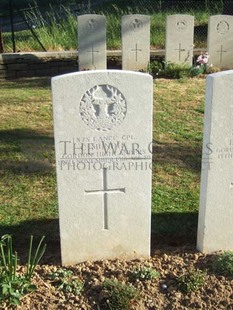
x=161 y=293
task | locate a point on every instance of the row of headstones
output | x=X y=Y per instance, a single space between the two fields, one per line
x=92 y=42
x=103 y=133
x=135 y=33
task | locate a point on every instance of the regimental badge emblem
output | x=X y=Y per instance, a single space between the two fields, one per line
x=136 y=25
x=223 y=27
x=103 y=107
x=92 y=24
x=181 y=25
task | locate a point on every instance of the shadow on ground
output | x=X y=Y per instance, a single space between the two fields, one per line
x=33 y=82
x=173 y=229
x=28 y=148
x=178 y=154
x=169 y=230
x=21 y=234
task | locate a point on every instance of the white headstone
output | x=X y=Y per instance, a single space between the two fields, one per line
x=220 y=41
x=92 y=42
x=103 y=131
x=179 y=39
x=135 y=34
x=215 y=226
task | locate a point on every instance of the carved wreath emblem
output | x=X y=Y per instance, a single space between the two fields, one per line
x=136 y=25
x=223 y=27
x=92 y=24
x=103 y=107
x=181 y=25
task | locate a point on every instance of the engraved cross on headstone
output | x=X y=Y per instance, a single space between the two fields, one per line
x=180 y=50
x=221 y=52
x=92 y=54
x=136 y=50
x=105 y=191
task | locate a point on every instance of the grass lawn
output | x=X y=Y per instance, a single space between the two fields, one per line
x=57 y=33
x=28 y=200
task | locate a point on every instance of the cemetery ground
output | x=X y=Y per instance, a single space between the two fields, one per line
x=185 y=278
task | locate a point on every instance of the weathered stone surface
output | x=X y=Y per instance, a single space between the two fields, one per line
x=17 y=66
x=220 y=41
x=3 y=67
x=92 y=42
x=135 y=32
x=46 y=72
x=215 y=227
x=103 y=155
x=179 y=39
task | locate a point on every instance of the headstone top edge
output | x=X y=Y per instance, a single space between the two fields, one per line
x=91 y=15
x=220 y=16
x=219 y=74
x=180 y=15
x=98 y=72
x=133 y=15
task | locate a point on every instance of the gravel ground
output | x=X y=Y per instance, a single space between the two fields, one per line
x=160 y=293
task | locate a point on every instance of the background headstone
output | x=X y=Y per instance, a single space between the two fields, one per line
x=179 y=39
x=92 y=42
x=220 y=41
x=135 y=34
x=102 y=142
x=215 y=226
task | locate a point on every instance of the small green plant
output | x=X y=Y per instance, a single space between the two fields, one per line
x=191 y=281
x=169 y=70
x=156 y=68
x=176 y=71
x=143 y=274
x=223 y=264
x=65 y=281
x=13 y=285
x=197 y=70
x=118 y=296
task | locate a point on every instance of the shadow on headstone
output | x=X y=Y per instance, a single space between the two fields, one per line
x=169 y=230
